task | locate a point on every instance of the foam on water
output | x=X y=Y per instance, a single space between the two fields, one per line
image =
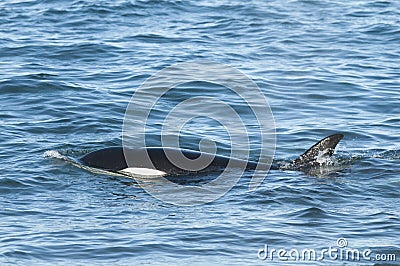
x=54 y=154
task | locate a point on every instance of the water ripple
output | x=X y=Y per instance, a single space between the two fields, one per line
x=69 y=68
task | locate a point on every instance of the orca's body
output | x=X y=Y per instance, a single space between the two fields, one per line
x=115 y=159
x=157 y=161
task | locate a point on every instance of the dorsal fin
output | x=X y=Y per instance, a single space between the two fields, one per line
x=323 y=148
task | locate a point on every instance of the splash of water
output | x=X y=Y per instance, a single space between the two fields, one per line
x=53 y=154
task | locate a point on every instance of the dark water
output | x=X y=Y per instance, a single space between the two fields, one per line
x=69 y=68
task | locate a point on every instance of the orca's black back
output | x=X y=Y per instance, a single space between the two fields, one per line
x=111 y=159
x=114 y=159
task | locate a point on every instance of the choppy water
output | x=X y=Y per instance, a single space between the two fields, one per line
x=69 y=68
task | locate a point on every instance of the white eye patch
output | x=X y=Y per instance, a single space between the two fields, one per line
x=136 y=171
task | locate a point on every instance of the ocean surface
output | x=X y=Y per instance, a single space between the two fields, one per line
x=68 y=70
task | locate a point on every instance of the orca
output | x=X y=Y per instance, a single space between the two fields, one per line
x=155 y=161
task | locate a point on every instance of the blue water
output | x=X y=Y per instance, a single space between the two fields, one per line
x=69 y=68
